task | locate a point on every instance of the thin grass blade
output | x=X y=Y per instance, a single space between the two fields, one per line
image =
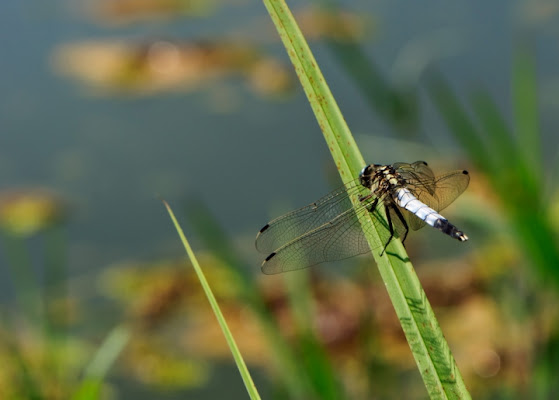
x=285 y=362
x=241 y=365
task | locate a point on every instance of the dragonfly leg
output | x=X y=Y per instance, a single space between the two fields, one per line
x=367 y=197
x=403 y=220
x=373 y=205
x=390 y=227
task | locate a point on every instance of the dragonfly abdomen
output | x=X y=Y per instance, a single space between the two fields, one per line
x=405 y=199
x=446 y=227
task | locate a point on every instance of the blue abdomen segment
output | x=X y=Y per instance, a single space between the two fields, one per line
x=405 y=199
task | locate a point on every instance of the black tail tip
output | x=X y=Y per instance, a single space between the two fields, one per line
x=461 y=236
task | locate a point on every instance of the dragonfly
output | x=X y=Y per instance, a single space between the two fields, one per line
x=393 y=197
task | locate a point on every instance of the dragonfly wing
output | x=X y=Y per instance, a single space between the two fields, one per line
x=335 y=240
x=436 y=192
x=447 y=188
x=340 y=238
x=419 y=174
x=292 y=225
x=420 y=179
x=419 y=166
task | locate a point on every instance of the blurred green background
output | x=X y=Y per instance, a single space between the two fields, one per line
x=107 y=105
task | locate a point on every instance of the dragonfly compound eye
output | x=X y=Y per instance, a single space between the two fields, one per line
x=364 y=171
x=366 y=175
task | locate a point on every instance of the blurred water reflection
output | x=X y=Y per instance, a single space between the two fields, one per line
x=152 y=66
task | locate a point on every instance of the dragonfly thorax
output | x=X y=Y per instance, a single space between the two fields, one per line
x=380 y=178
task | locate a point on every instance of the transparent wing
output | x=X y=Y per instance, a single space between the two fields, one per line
x=288 y=227
x=418 y=174
x=420 y=179
x=449 y=186
x=340 y=238
x=438 y=193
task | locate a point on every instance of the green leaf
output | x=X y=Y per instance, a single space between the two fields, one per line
x=247 y=379
x=433 y=357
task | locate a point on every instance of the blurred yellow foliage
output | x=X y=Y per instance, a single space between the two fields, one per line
x=25 y=212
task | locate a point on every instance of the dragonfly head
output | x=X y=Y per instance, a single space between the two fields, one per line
x=366 y=175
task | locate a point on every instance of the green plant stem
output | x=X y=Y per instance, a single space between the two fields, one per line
x=245 y=374
x=286 y=364
x=433 y=357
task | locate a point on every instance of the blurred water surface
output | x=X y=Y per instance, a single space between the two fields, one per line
x=109 y=155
